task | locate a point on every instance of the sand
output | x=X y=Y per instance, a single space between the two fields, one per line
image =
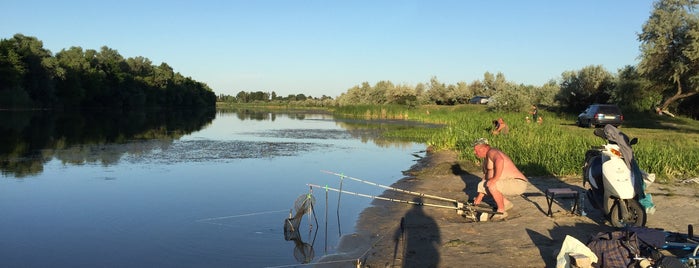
x=391 y=234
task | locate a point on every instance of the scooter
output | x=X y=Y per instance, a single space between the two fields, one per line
x=616 y=182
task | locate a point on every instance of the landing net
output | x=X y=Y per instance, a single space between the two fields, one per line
x=303 y=252
x=302 y=206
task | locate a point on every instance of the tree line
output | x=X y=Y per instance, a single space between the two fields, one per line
x=31 y=77
x=262 y=96
x=666 y=79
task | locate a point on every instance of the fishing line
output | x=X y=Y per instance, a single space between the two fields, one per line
x=385 y=198
x=392 y=188
x=241 y=215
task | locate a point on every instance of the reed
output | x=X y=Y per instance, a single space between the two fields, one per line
x=556 y=147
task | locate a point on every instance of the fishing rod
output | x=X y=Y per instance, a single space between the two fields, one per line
x=384 y=198
x=396 y=189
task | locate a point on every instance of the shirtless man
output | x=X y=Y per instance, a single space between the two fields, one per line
x=500 y=127
x=501 y=177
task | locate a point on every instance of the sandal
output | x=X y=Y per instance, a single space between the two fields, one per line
x=499 y=217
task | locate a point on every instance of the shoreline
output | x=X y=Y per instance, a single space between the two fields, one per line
x=390 y=234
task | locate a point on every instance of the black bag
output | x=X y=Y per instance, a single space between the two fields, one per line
x=649 y=237
x=615 y=249
x=670 y=262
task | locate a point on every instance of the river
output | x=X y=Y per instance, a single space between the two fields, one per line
x=184 y=188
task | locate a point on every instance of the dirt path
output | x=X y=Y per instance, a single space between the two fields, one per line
x=435 y=237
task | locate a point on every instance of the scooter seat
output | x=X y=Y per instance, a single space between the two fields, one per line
x=594 y=172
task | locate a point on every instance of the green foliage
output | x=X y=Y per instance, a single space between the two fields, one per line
x=632 y=93
x=401 y=94
x=36 y=69
x=592 y=84
x=670 y=49
x=438 y=92
x=30 y=77
x=555 y=147
x=511 y=98
x=11 y=68
x=546 y=95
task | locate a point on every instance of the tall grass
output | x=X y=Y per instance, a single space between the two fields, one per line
x=555 y=147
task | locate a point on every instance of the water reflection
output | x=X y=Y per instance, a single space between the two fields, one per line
x=29 y=139
x=371 y=130
x=133 y=190
x=261 y=114
x=364 y=130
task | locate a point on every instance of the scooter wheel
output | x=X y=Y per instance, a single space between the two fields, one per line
x=636 y=217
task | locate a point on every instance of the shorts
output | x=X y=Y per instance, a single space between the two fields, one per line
x=506 y=186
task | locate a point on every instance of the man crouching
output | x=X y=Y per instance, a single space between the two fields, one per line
x=501 y=177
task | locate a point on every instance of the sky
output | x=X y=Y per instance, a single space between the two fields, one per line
x=326 y=47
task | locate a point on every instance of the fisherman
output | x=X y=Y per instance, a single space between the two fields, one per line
x=500 y=177
x=499 y=126
x=534 y=111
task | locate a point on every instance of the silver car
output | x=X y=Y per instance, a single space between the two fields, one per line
x=598 y=115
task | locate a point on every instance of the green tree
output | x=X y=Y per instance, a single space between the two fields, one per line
x=670 y=50
x=242 y=97
x=12 y=70
x=421 y=93
x=74 y=66
x=31 y=77
x=140 y=67
x=478 y=88
x=37 y=81
x=592 y=84
x=401 y=94
x=546 y=94
x=462 y=93
x=162 y=76
x=633 y=92
x=488 y=84
x=380 y=90
x=11 y=67
x=509 y=98
x=500 y=82
x=365 y=93
x=438 y=92
x=352 y=96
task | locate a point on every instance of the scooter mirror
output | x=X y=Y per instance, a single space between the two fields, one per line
x=633 y=141
x=599 y=132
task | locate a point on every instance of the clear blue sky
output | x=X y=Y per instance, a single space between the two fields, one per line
x=325 y=47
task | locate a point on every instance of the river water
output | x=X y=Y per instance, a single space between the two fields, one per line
x=184 y=189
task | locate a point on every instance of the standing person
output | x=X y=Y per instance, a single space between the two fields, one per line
x=500 y=127
x=500 y=177
x=535 y=113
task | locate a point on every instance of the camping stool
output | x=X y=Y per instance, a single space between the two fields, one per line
x=552 y=193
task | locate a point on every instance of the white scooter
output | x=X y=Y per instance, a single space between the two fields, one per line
x=616 y=182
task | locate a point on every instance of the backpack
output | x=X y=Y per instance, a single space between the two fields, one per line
x=615 y=248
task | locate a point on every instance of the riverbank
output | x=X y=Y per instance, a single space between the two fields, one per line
x=393 y=234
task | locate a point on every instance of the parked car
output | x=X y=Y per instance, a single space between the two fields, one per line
x=479 y=100
x=597 y=115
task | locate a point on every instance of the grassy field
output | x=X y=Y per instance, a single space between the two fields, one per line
x=668 y=147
